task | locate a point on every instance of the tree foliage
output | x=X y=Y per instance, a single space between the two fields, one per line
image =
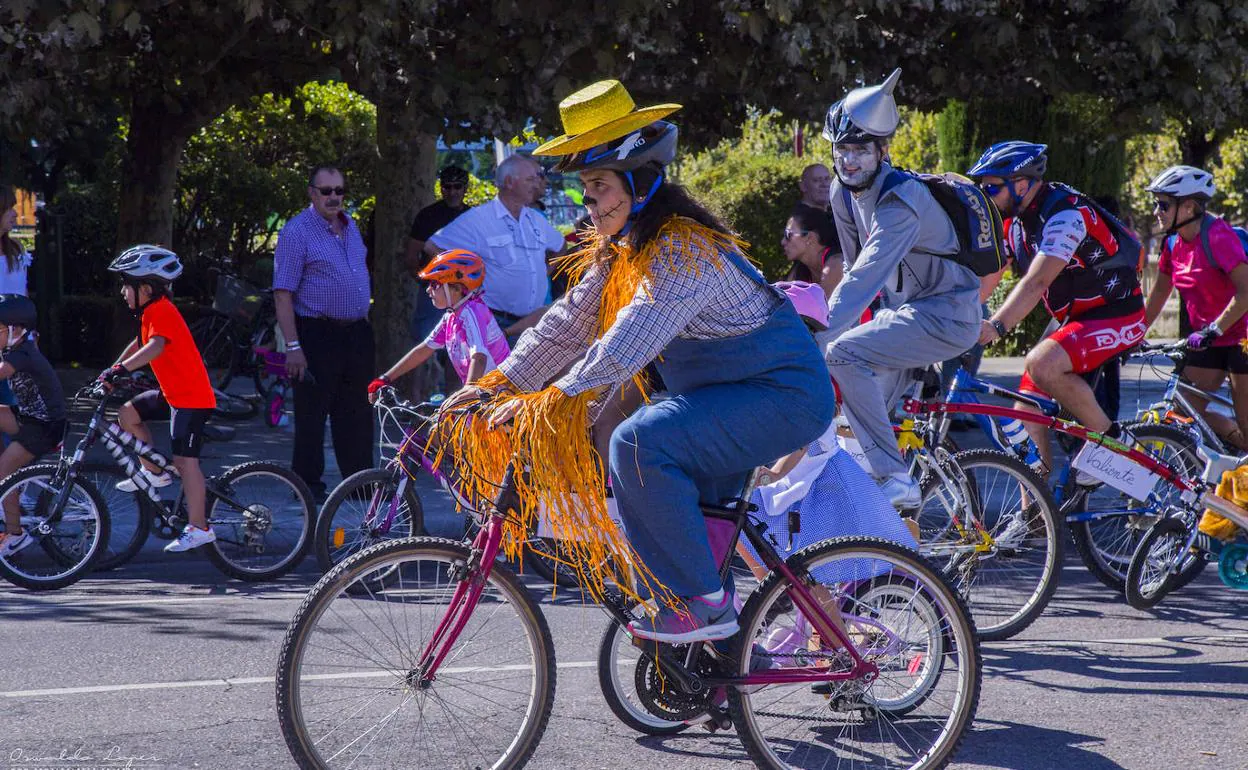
x=245 y=174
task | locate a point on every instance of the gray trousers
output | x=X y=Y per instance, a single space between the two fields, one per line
x=871 y=364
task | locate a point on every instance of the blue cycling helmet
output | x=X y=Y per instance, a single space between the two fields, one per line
x=1012 y=159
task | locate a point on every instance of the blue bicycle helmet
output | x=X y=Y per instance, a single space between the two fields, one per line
x=1010 y=160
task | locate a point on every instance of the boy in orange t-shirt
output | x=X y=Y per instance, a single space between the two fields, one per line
x=185 y=397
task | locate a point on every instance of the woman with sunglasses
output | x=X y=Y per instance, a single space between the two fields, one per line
x=1203 y=258
x=810 y=243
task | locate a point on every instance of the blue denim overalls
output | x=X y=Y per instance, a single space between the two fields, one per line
x=737 y=403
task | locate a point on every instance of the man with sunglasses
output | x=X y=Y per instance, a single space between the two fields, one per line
x=892 y=241
x=1072 y=259
x=321 y=293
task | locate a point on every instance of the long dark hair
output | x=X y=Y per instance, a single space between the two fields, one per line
x=8 y=244
x=671 y=199
x=820 y=223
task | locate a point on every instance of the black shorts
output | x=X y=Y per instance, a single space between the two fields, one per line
x=1223 y=358
x=186 y=426
x=38 y=436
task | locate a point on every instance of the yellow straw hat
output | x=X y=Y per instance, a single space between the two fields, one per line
x=599 y=113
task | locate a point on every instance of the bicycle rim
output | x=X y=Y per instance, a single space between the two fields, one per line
x=902 y=616
x=64 y=553
x=265 y=530
x=347 y=692
x=1008 y=576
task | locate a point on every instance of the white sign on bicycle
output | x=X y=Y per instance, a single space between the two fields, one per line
x=1116 y=470
x=543 y=521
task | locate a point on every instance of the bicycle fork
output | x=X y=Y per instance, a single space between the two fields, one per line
x=470 y=577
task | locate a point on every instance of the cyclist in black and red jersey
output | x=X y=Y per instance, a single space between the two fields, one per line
x=1082 y=263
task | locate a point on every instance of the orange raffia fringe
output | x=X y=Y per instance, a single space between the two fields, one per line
x=549 y=436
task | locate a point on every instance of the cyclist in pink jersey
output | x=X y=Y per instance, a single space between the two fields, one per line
x=1203 y=258
x=468 y=332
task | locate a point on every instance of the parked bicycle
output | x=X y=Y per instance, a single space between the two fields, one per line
x=236 y=338
x=260 y=512
x=454 y=656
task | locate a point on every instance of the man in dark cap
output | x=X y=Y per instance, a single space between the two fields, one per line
x=454 y=183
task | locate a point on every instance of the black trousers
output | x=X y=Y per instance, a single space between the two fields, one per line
x=340 y=358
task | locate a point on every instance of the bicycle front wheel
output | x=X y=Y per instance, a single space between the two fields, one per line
x=348 y=694
x=262 y=516
x=1161 y=562
x=994 y=529
x=70 y=531
x=365 y=509
x=902 y=615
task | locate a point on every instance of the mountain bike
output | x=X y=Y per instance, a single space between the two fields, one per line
x=260 y=512
x=378 y=504
x=453 y=658
x=1105 y=523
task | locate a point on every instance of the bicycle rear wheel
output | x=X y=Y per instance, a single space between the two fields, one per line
x=1117 y=523
x=347 y=691
x=1008 y=570
x=65 y=550
x=903 y=616
x=262 y=517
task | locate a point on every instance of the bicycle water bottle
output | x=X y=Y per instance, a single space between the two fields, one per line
x=1016 y=434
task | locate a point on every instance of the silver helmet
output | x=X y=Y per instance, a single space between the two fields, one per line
x=1184 y=182
x=865 y=114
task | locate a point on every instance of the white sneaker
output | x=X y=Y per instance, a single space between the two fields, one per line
x=157 y=480
x=902 y=491
x=11 y=544
x=191 y=537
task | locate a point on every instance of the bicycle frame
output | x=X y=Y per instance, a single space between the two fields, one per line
x=485 y=547
x=1176 y=387
x=1192 y=485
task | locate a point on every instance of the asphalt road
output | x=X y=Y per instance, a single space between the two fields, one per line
x=166 y=664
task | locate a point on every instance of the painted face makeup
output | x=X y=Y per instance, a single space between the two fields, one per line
x=856 y=164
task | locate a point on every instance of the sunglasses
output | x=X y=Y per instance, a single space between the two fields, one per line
x=992 y=188
x=339 y=191
x=1162 y=206
x=790 y=233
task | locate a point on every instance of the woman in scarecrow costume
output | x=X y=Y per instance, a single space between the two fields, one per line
x=660 y=279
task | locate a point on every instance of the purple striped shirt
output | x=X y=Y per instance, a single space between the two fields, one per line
x=325 y=271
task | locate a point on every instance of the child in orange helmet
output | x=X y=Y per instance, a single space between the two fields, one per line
x=468 y=332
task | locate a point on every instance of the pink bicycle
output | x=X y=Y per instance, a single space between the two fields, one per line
x=854 y=650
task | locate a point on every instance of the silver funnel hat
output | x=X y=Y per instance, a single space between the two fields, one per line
x=865 y=114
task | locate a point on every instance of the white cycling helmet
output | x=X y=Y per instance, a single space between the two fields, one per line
x=147 y=261
x=1184 y=182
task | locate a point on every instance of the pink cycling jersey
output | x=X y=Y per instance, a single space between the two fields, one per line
x=467 y=330
x=1204 y=289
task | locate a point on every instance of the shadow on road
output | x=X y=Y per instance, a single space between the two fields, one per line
x=1015 y=746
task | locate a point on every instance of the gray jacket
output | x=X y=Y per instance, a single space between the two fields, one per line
x=903 y=233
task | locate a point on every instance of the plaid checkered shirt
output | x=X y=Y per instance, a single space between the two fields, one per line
x=325 y=271
x=677 y=301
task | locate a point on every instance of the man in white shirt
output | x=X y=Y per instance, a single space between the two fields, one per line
x=513 y=239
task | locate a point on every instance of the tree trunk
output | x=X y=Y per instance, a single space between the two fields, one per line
x=150 y=174
x=1196 y=145
x=405 y=181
